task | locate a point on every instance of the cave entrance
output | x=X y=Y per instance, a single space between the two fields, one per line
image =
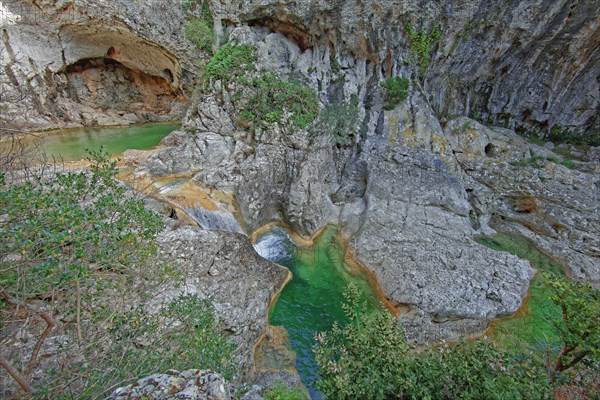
x=105 y=84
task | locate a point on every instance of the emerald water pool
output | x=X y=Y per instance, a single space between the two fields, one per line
x=71 y=145
x=312 y=300
x=532 y=326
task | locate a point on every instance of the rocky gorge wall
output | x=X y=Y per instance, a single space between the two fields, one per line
x=528 y=63
x=411 y=191
x=83 y=63
x=411 y=185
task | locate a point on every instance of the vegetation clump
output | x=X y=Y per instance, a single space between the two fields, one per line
x=421 y=45
x=280 y=391
x=264 y=99
x=74 y=250
x=230 y=62
x=199 y=29
x=370 y=358
x=271 y=97
x=339 y=120
x=395 y=91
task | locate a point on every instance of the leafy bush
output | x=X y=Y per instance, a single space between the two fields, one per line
x=476 y=370
x=71 y=224
x=370 y=359
x=231 y=61
x=579 y=331
x=78 y=244
x=363 y=359
x=271 y=97
x=265 y=99
x=280 y=391
x=340 y=120
x=396 y=91
x=421 y=45
x=199 y=32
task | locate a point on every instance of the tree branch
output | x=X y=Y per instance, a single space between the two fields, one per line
x=20 y=379
x=33 y=360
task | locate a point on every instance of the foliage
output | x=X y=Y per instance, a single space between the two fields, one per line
x=280 y=391
x=272 y=97
x=396 y=91
x=579 y=330
x=476 y=370
x=363 y=359
x=537 y=162
x=340 y=120
x=560 y=134
x=229 y=62
x=199 y=30
x=566 y=162
x=370 y=359
x=421 y=45
x=79 y=244
x=65 y=227
x=265 y=99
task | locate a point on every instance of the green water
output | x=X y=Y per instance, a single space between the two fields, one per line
x=532 y=326
x=312 y=300
x=71 y=145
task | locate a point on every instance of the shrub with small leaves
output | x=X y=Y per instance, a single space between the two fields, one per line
x=396 y=91
x=421 y=45
x=230 y=62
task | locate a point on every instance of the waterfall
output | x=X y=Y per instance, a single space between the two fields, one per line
x=217 y=220
x=275 y=246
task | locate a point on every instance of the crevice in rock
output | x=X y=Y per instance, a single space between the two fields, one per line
x=287 y=29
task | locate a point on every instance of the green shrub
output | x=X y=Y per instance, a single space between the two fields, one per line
x=230 y=62
x=80 y=245
x=395 y=91
x=421 y=46
x=579 y=330
x=271 y=97
x=280 y=391
x=265 y=99
x=476 y=370
x=340 y=120
x=199 y=32
x=370 y=359
x=363 y=359
x=560 y=134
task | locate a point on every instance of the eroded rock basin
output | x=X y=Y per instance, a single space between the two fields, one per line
x=312 y=300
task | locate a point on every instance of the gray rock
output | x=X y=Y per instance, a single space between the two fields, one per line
x=410 y=194
x=224 y=268
x=188 y=385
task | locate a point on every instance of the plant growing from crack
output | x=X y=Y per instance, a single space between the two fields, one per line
x=421 y=44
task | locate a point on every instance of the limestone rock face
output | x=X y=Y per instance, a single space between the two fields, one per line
x=530 y=63
x=525 y=63
x=410 y=190
x=189 y=385
x=71 y=63
x=224 y=268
